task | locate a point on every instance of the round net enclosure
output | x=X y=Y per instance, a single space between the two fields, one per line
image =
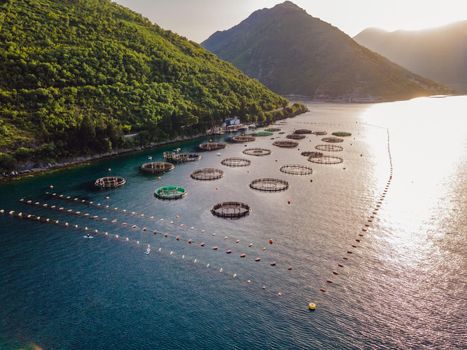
x=296 y=136
x=329 y=148
x=263 y=133
x=332 y=139
x=326 y=160
x=342 y=134
x=302 y=131
x=170 y=192
x=108 y=182
x=312 y=154
x=272 y=129
x=285 y=144
x=269 y=185
x=320 y=133
x=257 y=152
x=230 y=210
x=176 y=157
x=211 y=146
x=235 y=162
x=296 y=169
x=207 y=174
x=243 y=138
x=157 y=167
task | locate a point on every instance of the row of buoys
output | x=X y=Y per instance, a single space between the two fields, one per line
x=146 y=246
x=133 y=227
x=370 y=219
x=163 y=221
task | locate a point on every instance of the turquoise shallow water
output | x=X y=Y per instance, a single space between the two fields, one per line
x=403 y=286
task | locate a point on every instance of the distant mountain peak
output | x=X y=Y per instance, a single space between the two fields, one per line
x=294 y=53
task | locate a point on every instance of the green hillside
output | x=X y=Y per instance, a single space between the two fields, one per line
x=294 y=53
x=76 y=75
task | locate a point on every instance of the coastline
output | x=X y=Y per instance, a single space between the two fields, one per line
x=79 y=161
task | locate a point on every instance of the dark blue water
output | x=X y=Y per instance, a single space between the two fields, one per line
x=403 y=286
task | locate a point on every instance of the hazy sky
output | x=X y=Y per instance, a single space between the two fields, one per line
x=198 y=19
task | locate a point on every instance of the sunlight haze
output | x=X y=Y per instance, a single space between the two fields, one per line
x=198 y=19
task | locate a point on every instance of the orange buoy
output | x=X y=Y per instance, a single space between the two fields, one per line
x=270 y=241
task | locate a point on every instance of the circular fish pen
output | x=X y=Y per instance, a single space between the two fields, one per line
x=285 y=144
x=170 y=192
x=175 y=157
x=329 y=148
x=236 y=162
x=230 y=210
x=312 y=154
x=296 y=169
x=243 y=138
x=326 y=160
x=109 y=182
x=269 y=185
x=342 y=134
x=332 y=139
x=320 y=133
x=295 y=136
x=211 y=146
x=259 y=152
x=302 y=131
x=263 y=133
x=157 y=167
x=207 y=174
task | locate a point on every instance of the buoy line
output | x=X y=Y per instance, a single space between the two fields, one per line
x=125 y=239
x=134 y=227
x=163 y=221
x=367 y=225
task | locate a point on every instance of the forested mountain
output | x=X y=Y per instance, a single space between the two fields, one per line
x=75 y=75
x=439 y=53
x=292 y=52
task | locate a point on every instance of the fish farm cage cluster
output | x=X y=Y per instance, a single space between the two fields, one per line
x=273 y=129
x=176 y=157
x=296 y=136
x=243 y=138
x=230 y=210
x=329 y=148
x=109 y=182
x=302 y=131
x=263 y=134
x=319 y=133
x=269 y=185
x=326 y=160
x=211 y=146
x=207 y=174
x=257 y=152
x=341 y=134
x=235 y=162
x=285 y=144
x=332 y=139
x=170 y=192
x=312 y=154
x=157 y=167
x=296 y=169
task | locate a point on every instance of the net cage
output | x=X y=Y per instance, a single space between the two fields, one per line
x=269 y=185
x=235 y=162
x=207 y=174
x=296 y=169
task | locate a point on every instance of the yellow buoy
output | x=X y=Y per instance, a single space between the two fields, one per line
x=312 y=306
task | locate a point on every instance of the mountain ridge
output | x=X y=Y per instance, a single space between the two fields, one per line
x=438 y=53
x=272 y=44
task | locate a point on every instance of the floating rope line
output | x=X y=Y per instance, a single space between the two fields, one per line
x=133 y=228
x=163 y=221
x=91 y=233
x=367 y=226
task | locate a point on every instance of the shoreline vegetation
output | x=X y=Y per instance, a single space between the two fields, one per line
x=30 y=169
x=80 y=78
